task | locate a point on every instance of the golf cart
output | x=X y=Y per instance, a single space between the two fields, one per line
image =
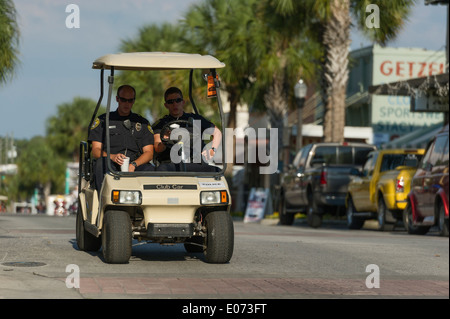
x=165 y=207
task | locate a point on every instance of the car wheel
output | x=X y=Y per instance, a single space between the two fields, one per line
x=353 y=222
x=285 y=217
x=313 y=218
x=85 y=240
x=408 y=222
x=116 y=237
x=219 y=238
x=443 y=222
x=385 y=222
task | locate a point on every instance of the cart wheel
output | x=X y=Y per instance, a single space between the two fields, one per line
x=220 y=237
x=85 y=240
x=116 y=237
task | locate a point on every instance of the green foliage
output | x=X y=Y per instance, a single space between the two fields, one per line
x=393 y=17
x=150 y=86
x=42 y=161
x=38 y=165
x=9 y=40
x=69 y=126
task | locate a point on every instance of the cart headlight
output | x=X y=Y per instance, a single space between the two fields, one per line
x=126 y=197
x=213 y=197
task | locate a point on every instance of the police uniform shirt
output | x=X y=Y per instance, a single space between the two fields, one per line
x=158 y=125
x=122 y=139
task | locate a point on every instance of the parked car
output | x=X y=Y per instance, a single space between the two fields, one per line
x=381 y=189
x=428 y=199
x=316 y=182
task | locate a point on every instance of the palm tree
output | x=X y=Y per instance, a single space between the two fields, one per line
x=263 y=58
x=150 y=86
x=225 y=29
x=330 y=21
x=9 y=40
x=286 y=53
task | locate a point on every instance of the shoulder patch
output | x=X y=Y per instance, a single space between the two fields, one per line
x=150 y=129
x=96 y=123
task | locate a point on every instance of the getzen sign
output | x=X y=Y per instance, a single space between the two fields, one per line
x=391 y=114
x=410 y=69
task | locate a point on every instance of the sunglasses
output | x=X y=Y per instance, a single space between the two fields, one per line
x=179 y=100
x=124 y=100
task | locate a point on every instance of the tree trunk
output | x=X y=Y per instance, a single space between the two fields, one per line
x=233 y=99
x=277 y=107
x=336 y=40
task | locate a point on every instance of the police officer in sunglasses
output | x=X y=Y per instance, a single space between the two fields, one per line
x=175 y=103
x=130 y=136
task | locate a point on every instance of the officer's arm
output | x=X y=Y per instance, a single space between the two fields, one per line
x=97 y=153
x=147 y=156
x=159 y=146
x=96 y=149
x=217 y=138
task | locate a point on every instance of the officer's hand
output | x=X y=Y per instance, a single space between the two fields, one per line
x=118 y=158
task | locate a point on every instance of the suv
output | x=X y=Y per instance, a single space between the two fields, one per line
x=428 y=200
x=191 y=208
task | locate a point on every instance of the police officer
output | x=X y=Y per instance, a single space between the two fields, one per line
x=174 y=102
x=130 y=136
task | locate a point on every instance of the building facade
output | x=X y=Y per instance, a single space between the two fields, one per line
x=389 y=116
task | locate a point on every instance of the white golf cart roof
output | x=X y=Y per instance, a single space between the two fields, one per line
x=157 y=61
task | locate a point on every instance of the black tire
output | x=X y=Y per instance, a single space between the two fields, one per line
x=194 y=247
x=408 y=223
x=313 y=218
x=353 y=222
x=220 y=237
x=116 y=237
x=386 y=222
x=85 y=240
x=442 y=222
x=285 y=217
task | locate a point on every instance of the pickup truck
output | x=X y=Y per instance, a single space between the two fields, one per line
x=316 y=181
x=380 y=190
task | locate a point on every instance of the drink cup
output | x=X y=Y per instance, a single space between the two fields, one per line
x=125 y=165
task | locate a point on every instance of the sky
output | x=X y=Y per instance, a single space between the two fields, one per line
x=55 y=61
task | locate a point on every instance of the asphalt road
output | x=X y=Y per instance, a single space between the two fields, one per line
x=39 y=259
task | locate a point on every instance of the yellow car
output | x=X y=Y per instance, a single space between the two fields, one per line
x=380 y=191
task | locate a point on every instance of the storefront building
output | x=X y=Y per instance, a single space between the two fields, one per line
x=389 y=116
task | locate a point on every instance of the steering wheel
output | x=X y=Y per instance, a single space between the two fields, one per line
x=167 y=129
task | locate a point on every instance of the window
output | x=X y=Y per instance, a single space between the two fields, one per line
x=438 y=151
x=361 y=154
x=345 y=155
x=304 y=156
x=325 y=154
x=391 y=161
x=296 y=161
x=426 y=159
x=445 y=154
x=369 y=165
